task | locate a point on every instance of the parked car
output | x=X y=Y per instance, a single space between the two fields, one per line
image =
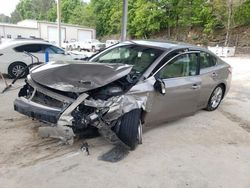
x=92 y=45
x=13 y=60
x=123 y=88
x=111 y=42
x=69 y=45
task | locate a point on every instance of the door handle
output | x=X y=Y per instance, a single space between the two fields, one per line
x=195 y=86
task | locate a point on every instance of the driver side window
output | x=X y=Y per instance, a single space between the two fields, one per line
x=182 y=66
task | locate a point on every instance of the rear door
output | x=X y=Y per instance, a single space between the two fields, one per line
x=209 y=76
x=182 y=84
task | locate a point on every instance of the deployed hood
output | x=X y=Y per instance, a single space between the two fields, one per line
x=75 y=76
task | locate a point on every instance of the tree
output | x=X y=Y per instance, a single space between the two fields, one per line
x=4 y=18
x=83 y=15
x=242 y=13
x=32 y=9
x=146 y=19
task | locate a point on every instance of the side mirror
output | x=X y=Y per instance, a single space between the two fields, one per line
x=160 y=86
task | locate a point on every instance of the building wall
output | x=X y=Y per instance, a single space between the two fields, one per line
x=15 y=31
x=69 y=32
x=46 y=30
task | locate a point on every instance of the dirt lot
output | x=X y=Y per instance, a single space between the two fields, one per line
x=209 y=149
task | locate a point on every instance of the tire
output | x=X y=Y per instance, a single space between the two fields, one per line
x=128 y=129
x=215 y=98
x=15 y=68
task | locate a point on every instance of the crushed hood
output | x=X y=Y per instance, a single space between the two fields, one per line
x=75 y=76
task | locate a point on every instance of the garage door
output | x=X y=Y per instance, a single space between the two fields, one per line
x=53 y=34
x=83 y=35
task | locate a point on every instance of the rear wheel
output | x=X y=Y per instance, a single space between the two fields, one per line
x=16 y=68
x=215 y=98
x=130 y=128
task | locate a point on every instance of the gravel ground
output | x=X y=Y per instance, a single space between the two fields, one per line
x=209 y=149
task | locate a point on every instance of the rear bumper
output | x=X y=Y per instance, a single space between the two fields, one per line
x=37 y=111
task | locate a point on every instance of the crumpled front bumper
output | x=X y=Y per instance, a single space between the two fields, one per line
x=45 y=114
x=63 y=120
x=37 y=111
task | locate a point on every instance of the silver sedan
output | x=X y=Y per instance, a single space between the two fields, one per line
x=123 y=88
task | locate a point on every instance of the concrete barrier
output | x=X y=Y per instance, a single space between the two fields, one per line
x=223 y=51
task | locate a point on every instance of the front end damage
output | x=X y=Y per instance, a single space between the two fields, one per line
x=68 y=113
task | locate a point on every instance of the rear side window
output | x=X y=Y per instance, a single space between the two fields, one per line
x=207 y=60
x=32 y=48
x=53 y=49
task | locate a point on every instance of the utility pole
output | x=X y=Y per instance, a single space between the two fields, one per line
x=229 y=20
x=59 y=22
x=124 y=20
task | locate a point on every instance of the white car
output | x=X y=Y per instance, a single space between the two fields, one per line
x=13 y=59
x=111 y=42
x=90 y=45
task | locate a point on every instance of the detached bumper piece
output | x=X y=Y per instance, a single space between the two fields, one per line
x=37 y=111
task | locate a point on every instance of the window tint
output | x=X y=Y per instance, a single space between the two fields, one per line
x=54 y=50
x=206 y=60
x=181 y=66
x=39 y=48
x=32 y=48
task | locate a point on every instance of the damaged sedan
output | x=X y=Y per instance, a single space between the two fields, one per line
x=123 y=88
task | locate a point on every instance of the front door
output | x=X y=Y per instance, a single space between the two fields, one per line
x=182 y=84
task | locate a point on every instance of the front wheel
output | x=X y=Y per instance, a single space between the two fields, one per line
x=215 y=98
x=130 y=128
x=17 y=68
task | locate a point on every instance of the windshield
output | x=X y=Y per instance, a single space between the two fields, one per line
x=139 y=56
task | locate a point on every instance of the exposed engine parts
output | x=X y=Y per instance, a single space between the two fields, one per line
x=100 y=108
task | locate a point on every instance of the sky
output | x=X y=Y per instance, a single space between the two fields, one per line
x=8 y=6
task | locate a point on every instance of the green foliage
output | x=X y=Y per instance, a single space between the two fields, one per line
x=32 y=9
x=242 y=14
x=83 y=15
x=4 y=18
x=145 y=17
x=108 y=15
x=146 y=20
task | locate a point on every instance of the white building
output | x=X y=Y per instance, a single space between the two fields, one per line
x=46 y=31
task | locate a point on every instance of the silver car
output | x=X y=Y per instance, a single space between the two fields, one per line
x=123 y=88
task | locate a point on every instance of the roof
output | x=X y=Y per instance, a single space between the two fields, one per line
x=21 y=42
x=16 y=26
x=167 y=45
x=35 y=23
